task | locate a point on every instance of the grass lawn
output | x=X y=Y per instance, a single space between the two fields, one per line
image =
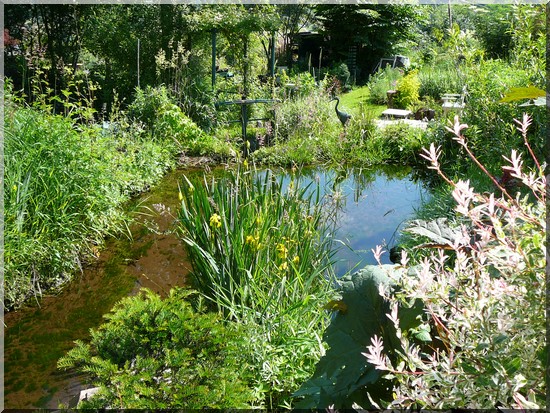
x=356 y=102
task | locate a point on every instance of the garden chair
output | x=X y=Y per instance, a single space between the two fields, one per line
x=454 y=101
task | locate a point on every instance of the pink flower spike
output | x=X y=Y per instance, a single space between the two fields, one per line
x=404 y=258
x=515 y=160
x=524 y=124
x=457 y=129
x=432 y=155
x=491 y=204
x=393 y=315
x=463 y=195
x=377 y=253
x=374 y=355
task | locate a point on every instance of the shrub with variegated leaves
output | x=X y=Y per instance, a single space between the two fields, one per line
x=484 y=300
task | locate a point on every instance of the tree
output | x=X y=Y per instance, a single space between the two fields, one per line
x=294 y=17
x=376 y=29
x=49 y=36
x=111 y=33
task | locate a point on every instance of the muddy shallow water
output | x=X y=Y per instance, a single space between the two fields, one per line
x=372 y=204
x=36 y=336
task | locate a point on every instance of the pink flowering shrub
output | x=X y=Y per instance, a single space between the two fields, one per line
x=484 y=307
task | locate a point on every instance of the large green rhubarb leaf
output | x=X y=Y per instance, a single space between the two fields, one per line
x=343 y=376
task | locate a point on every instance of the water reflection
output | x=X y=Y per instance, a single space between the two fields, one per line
x=371 y=206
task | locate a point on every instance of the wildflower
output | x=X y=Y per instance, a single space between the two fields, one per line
x=296 y=260
x=291 y=186
x=215 y=221
x=14 y=187
x=282 y=251
x=283 y=266
x=245 y=164
x=253 y=241
x=180 y=196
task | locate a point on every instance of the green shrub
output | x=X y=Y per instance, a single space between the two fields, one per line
x=399 y=143
x=477 y=344
x=305 y=83
x=306 y=116
x=155 y=353
x=381 y=82
x=341 y=72
x=408 y=88
x=486 y=305
x=352 y=145
x=64 y=186
x=491 y=133
x=294 y=152
x=487 y=84
x=165 y=121
x=58 y=201
x=436 y=80
x=156 y=109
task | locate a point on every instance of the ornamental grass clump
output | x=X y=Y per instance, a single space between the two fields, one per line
x=484 y=300
x=259 y=255
x=59 y=201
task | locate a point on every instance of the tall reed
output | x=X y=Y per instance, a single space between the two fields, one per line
x=260 y=254
x=64 y=185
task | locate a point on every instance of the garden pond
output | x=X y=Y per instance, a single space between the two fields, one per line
x=372 y=205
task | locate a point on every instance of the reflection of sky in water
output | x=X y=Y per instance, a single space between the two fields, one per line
x=371 y=212
x=374 y=219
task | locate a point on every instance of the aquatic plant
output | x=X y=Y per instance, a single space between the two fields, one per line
x=259 y=255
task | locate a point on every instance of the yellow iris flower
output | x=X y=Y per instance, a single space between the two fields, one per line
x=215 y=221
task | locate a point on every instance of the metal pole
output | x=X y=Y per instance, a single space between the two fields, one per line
x=320 y=59
x=138 y=63
x=213 y=60
x=450 y=15
x=272 y=65
x=244 y=122
x=245 y=71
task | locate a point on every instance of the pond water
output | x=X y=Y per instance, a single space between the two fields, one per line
x=371 y=206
